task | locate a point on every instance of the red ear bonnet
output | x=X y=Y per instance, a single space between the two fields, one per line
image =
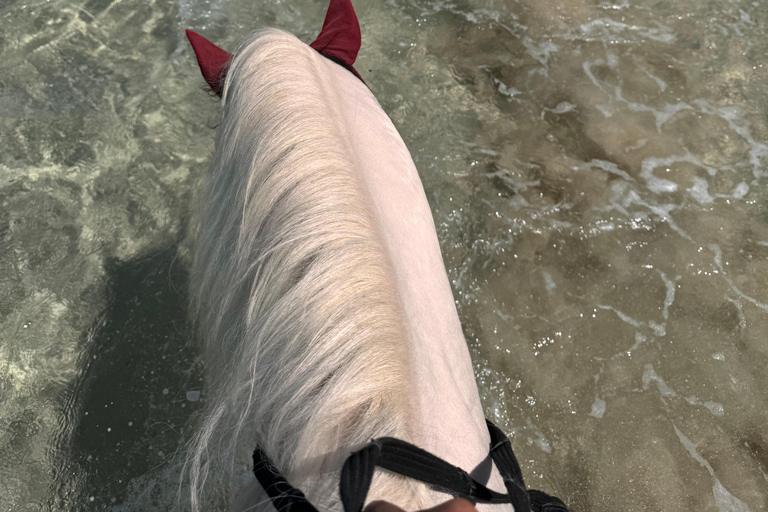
x=213 y=61
x=340 y=37
x=339 y=40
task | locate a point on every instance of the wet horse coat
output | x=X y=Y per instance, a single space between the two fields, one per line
x=318 y=281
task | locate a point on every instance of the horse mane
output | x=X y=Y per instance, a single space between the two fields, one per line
x=292 y=290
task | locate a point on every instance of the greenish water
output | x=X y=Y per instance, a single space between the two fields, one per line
x=596 y=171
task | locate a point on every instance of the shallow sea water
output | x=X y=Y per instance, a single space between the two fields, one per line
x=595 y=170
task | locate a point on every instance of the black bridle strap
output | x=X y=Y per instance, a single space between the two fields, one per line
x=411 y=461
x=505 y=460
x=284 y=496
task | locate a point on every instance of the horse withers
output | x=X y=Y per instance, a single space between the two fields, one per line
x=320 y=293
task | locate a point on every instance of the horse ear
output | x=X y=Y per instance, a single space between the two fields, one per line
x=213 y=61
x=340 y=36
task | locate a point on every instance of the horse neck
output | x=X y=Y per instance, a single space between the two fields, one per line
x=447 y=415
x=319 y=285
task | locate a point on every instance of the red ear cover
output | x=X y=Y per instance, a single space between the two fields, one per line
x=340 y=36
x=339 y=39
x=213 y=61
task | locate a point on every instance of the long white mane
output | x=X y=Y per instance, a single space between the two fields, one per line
x=291 y=287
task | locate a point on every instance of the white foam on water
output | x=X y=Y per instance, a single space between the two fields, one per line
x=624 y=197
x=587 y=67
x=598 y=408
x=549 y=283
x=659 y=329
x=540 y=439
x=615 y=6
x=564 y=107
x=650 y=376
x=740 y=309
x=719 y=262
x=758 y=150
x=540 y=51
x=623 y=316
x=508 y=91
x=601 y=28
x=639 y=340
x=715 y=408
x=669 y=298
x=561 y=108
x=660 y=185
x=662 y=116
x=740 y=190
x=606 y=166
x=517 y=186
x=724 y=500
x=700 y=191
x=661 y=83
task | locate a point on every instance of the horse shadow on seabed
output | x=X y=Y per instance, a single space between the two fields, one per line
x=123 y=419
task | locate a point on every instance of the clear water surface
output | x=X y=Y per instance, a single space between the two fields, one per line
x=596 y=172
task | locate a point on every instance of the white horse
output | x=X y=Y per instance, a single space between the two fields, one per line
x=318 y=284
